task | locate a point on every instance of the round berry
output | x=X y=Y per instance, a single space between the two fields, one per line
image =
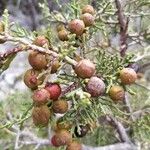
x=63 y=35
x=37 y=60
x=54 y=89
x=95 y=86
x=128 y=76
x=41 y=96
x=88 y=9
x=31 y=79
x=60 y=106
x=74 y=146
x=60 y=27
x=63 y=124
x=88 y=19
x=76 y=26
x=82 y=131
x=41 y=41
x=41 y=116
x=55 y=66
x=61 y=138
x=85 y=68
x=116 y=93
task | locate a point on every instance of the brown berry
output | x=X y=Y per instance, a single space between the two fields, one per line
x=88 y=19
x=60 y=106
x=61 y=138
x=63 y=35
x=37 y=60
x=76 y=26
x=74 y=146
x=41 y=41
x=88 y=9
x=41 y=96
x=41 y=116
x=31 y=79
x=95 y=86
x=116 y=93
x=55 y=66
x=63 y=124
x=128 y=76
x=85 y=69
x=60 y=27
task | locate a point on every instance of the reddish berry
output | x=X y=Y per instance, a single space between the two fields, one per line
x=54 y=89
x=31 y=79
x=61 y=138
x=116 y=93
x=95 y=86
x=128 y=76
x=60 y=106
x=74 y=146
x=88 y=9
x=37 y=60
x=40 y=41
x=76 y=26
x=63 y=35
x=41 y=96
x=41 y=116
x=88 y=19
x=85 y=68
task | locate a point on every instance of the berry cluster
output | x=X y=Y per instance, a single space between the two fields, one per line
x=47 y=97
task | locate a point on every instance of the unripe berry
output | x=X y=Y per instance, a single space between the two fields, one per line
x=60 y=106
x=41 y=96
x=31 y=79
x=76 y=26
x=85 y=69
x=116 y=93
x=40 y=41
x=61 y=138
x=95 y=86
x=41 y=116
x=55 y=66
x=88 y=19
x=37 y=60
x=83 y=130
x=54 y=89
x=74 y=146
x=88 y=9
x=128 y=76
x=63 y=35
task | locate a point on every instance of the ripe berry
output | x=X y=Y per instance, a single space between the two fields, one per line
x=41 y=96
x=63 y=124
x=31 y=79
x=61 y=138
x=63 y=35
x=88 y=19
x=88 y=9
x=54 y=89
x=85 y=68
x=76 y=26
x=41 y=115
x=55 y=66
x=116 y=93
x=128 y=76
x=74 y=146
x=60 y=106
x=95 y=86
x=40 y=41
x=83 y=130
x=37 y=60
